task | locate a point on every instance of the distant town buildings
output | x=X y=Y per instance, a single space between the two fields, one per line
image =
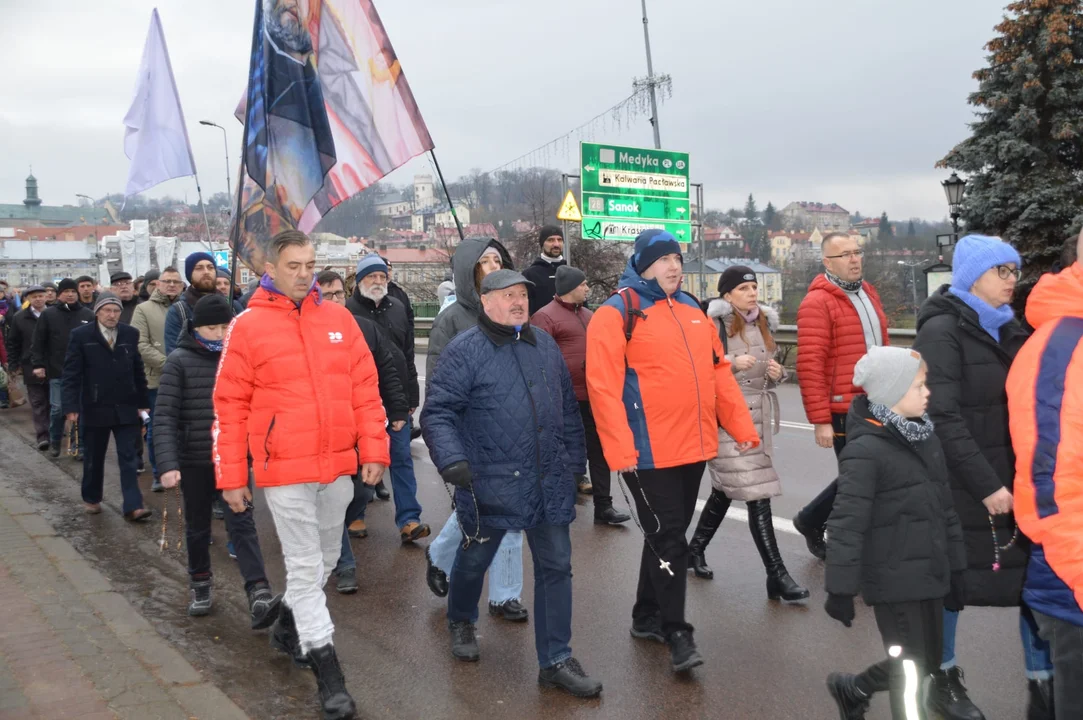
x=809 y=215
x=768 y=279
x=33 y=213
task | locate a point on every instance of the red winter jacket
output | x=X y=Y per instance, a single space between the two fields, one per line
x=568 y=326
x=830 y=341
x=297 y=388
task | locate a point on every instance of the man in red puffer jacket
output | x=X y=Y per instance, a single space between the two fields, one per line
x=838 y=321
x=566 y=319
x=297 y=388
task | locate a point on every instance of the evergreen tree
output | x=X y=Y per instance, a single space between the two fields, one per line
x=911 y=231
x=1024 y=158
x=885 y=231
x=771 y=219
x=751 y=213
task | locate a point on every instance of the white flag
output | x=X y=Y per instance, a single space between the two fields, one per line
x=155 y=136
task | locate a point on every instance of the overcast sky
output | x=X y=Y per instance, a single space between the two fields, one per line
x=847 y=101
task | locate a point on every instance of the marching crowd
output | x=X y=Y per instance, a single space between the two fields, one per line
x=959 y=479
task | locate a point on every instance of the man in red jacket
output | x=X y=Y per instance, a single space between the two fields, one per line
x=297 y=388
x=838 y=321
x=566 y=318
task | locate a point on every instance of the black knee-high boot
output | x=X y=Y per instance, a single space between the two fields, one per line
x=709 y=520
x=780 y=586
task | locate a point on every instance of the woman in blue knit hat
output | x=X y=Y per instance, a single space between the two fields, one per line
x=969 y=337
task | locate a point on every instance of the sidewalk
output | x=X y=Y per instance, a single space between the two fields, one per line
x=70 y=646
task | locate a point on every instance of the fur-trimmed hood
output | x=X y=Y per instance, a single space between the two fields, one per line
x=720 y=309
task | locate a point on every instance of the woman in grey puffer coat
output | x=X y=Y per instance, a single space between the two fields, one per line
x=747 y=327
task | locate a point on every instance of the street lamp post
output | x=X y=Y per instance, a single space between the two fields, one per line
x=953 y=189
x=913 y=283
x=225 y=144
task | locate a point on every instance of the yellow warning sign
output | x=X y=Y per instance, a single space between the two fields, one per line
x=569 y=211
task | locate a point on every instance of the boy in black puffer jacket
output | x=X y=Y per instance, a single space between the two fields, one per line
x=183 y=447
x=893 y=533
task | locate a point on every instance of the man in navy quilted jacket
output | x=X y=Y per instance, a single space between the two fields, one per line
x=502 y=425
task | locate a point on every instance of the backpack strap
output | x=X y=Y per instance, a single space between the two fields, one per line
x=632 y=313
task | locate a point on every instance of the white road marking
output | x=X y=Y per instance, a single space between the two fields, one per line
x=741 y=515
x=795 y=425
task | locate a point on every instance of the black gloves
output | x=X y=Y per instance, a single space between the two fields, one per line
x=841 y=608
x=954 y=599
x=458 y=474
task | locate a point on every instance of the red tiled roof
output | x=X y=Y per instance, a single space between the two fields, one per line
x=77 y=233
x=405 y=256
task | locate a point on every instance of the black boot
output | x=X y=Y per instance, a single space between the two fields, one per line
x=263 y=605
x=780 y=586
x=435 y=577
x=852 y=701
x=714 y=512
x=284 y=636
x=814 y=537
x=606 y=514
x=947 y=697
x=683 y=653
x=335 y=702
x=1040 y=705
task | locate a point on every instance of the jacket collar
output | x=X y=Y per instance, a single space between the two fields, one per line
x=161 y=298
x=501 y=335
x=567 y=306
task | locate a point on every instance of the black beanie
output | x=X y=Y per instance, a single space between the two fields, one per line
x=66 y=284
x=568 y=279
x=212 y=309
x=547 y=232
x=733 y=276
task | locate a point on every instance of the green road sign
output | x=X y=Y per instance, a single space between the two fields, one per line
x=627 y=190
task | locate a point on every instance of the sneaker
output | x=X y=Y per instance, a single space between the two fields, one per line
x=230 y=550
x=218 y=510
x=852 y=702
x=141 y=469
x=511 y=610
x=382 y=492
x=435 y=577
x=43 y=445
x=358 y=529
x=54 y=450
x=200 y=603
x=648 y=630
x=464 y=641
x=683 y=652
x=157 y=486
x=413 y=531
x=569 y=677
x=346 y=580
x=814 y=537
x=947 y=696
x=415 y=433
x=263 y=606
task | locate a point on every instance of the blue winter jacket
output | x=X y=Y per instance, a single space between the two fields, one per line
x=507 y=407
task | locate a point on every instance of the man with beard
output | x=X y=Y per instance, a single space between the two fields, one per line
x=121 y=285
x=50 y=346
x=87 y=296
x=202 y=275
x=371 y=300
x=150 y=281
x=149 y=320
x=543 y=273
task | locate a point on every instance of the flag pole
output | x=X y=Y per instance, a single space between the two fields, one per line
x=208 y=242
x=447 y=194
x=235 y=228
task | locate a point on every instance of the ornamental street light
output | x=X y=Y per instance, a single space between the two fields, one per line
x=913 y=283
x=953 y=189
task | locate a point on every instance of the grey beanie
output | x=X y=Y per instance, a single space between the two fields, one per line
x=107 y=298
x=568 y=279
x=886 y=373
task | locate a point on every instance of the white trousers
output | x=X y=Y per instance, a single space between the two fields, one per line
x=309 y=519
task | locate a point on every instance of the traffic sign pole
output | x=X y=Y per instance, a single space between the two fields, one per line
x=564 y=223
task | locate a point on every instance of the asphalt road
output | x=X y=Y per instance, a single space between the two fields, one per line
x=763 y=660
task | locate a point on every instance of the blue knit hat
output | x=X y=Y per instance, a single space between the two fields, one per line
x=651 y=245
x=369 y=264
x=977 y=253
x=191 y=261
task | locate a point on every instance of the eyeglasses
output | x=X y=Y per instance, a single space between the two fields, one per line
x=171 y=282
x=337 y=295
x=1005 y=272
x=847 y=255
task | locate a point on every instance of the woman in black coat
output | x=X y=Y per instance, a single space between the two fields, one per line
x=184 y=449
x=969 y=338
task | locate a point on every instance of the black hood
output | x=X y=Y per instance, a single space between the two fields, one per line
x=462 y=264
x=942 y=302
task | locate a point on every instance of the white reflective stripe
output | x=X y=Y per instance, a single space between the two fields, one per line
x=911 y=689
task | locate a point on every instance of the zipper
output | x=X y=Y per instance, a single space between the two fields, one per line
x=695 y=375
x=267 y=442
x=535 y=433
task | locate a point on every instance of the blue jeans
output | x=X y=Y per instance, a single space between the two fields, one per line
x=153 y=395
x=362 y=496
x=56 y=413
x=551 y=551
x=1039 y=662
x=505 y=571
x=97 y=442
x=403 y=482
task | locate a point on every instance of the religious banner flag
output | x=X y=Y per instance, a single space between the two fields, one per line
x=328 y=112
x=155 y=136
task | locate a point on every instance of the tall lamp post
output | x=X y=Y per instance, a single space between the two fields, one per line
x=913 y=283
x=225 y=144
x=953 y=189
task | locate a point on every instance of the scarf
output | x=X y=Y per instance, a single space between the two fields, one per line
x=552 y=261
x=990 y=318
x=751 y=316
x=268 y=284
x=505 y=334
x=913 y=430
x=850 y=287
x=212 y=345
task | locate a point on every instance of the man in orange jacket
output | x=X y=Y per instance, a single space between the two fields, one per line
x=1045 y=404
x=660 y=387
x=297 y=388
